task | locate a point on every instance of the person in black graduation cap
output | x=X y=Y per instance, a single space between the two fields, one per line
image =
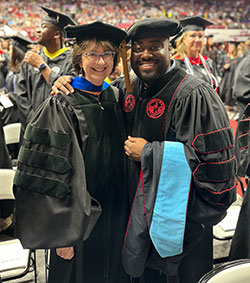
x=89 y=117
x=210 y=49
x=181 y=163
x=231 y=60
x=189 y=48
x=4 y=59
x=19 y=45
x=241 y=86
x=42 y=67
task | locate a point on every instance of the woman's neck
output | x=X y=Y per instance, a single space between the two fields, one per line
x=193 y=54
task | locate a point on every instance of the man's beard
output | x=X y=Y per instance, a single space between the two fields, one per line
x=149 y=77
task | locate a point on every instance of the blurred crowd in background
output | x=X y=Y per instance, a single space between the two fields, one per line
x=25 y=16
x=230 y=18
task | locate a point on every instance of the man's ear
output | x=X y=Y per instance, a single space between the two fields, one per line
x=57 y=34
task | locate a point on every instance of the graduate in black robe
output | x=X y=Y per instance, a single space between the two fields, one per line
x=4 y=60
x=189 y=48
x=19 y=45
x=77 y=141
x=240 y=247
x=241 y=86
x=167 y=109
x=42 y=67
x=231 y=60
x=180 y=145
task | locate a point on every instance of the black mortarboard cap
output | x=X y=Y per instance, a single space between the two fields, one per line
x=153 y=27
x=98 y=30
x=234 y=42
x=195 y=23
x=21 y=42
x=174 y=40
x=56 y=18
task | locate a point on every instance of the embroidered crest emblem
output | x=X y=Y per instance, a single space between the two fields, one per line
x=155 y=108
x=56 y=69
x=129 y=103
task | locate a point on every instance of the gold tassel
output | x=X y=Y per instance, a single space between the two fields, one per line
x=125 y=67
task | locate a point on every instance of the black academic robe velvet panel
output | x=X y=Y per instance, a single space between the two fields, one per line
x=196 y=112
x=32 y=89
x=97 y=167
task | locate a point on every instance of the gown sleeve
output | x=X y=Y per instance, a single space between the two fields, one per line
x=50 y=184
x=241 y=89
x=24 y=103
x=201 y=123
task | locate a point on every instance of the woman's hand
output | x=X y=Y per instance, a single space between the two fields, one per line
x=133 y=148
x=65 y=253
x=62 y=84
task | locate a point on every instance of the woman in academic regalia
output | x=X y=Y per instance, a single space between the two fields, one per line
x=189 y=48
x=231 y=61
x=89 y=117
x=19 y=45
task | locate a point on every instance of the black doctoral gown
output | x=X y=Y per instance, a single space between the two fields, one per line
x=95 y=157
x=227 y=81
x=240 y=247
x=192 y=114
x=241 y=87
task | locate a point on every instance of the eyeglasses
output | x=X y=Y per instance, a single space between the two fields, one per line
x=94 y=56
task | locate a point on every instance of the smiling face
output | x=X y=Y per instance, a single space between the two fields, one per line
x=193 y=41
x=150 y=58
x=97 y=70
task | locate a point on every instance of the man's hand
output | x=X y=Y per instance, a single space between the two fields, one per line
x=33 y=58
x=133 y=148
x=62 y=84
x=65 y=253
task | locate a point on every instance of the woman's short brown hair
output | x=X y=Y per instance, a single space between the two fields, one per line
x=80 y=47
